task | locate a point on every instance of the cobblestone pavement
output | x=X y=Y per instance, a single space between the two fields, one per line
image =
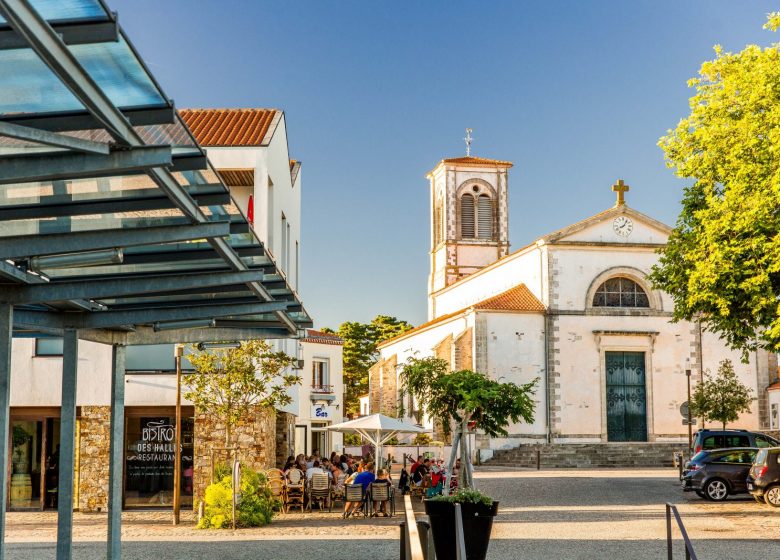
x=577 y=514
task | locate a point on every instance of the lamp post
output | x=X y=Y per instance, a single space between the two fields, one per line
x=178 y=353
x=690 y=427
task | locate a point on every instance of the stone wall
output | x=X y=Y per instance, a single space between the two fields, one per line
x=255 y=436
x=463 y=350
x=285 y=425
x=389 y=397
x=94 y=434
x=374 y=389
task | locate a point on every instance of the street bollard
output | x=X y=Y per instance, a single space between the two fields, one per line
x=538 y=460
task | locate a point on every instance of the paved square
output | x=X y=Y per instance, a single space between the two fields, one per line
x=571 y=514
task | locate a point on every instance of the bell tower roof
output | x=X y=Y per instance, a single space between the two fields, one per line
x=473 y=161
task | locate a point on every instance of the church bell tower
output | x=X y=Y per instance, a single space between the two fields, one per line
x=469 y=217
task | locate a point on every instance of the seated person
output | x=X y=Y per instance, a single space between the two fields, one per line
x=363 y=478
x=421 y=471
x=315 y=469
x=383 y=477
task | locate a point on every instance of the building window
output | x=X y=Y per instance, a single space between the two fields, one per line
x=437 y=236
x=467 y=216
x=620 y=292
x=319 y=375
x=48 y=347
x=484 y=217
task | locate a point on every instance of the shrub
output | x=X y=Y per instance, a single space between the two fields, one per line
x=422 y=439
x=352 y=439
x=465 y=496
x=255 y=506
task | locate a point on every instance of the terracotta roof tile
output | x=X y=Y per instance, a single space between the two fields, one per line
x=774 y=386
x=322 y=337
x=518 y=298
x=478 y=161
x=237 y=177
x=230 y=127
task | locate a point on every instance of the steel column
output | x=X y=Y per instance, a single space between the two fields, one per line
x=116 y=453
x=70 y=360
x=6 y=328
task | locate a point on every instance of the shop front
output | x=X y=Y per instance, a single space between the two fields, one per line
x=150 y=437
x=34 y=458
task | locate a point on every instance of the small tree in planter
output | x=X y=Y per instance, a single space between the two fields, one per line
x=461 y=398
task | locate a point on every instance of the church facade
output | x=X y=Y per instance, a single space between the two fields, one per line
x=573 y=310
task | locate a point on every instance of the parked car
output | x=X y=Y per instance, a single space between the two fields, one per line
x=764 y=478
x=715 y=474
x=723 y=439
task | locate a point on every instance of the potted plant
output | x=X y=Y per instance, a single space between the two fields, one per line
x=464 y=399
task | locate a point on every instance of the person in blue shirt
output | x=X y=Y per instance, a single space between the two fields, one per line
x=364 y=478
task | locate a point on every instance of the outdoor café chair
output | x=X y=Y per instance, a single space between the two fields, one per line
x=294 y=490
x=276 y=486
x=337 y=491
x=354 y=493
x=380 y=492
x=319 y=491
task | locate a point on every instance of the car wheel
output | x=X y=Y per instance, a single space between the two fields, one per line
x=716 y=490
x=772 y=495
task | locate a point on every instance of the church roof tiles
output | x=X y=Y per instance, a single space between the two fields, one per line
x=518 y=299
x=322 y=337
x=232 y=127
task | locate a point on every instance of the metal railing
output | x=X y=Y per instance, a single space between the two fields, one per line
x=321 y=388
x=689 y=552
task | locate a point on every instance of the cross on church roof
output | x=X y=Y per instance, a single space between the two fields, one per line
x=620 y=188
x=468 y=140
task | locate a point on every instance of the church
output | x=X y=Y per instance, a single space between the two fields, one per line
x=573 y=309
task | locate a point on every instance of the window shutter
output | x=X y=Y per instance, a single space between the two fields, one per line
x=485 y=216
x=467 y=216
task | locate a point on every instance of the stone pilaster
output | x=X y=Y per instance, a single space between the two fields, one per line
x=94 y=434
x=285 y=426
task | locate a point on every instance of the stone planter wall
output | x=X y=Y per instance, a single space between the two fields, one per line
x=255 y=436
x=94 y=433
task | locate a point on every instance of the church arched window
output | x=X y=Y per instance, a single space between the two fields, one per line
x=467 y=226
x=620 y=292
x=484 y=217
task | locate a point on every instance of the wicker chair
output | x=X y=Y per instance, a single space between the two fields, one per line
x=354 y=493
x=381 y=492
x=294 y=490
x=318 y=490
x=337 y=491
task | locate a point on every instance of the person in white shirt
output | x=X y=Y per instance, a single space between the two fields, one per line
x=315 y=469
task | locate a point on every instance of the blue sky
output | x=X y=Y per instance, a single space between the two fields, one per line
x=576 y=94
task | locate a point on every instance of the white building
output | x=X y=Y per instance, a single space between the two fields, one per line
x=248 y=147
x=319 y=401
x=572 y=309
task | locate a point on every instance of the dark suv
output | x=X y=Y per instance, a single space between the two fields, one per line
x=717 y=473
x=764 y=478
x=724 y=439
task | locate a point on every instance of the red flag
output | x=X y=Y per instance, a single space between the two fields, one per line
x=250 y=213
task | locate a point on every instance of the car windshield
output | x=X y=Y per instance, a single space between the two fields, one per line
x=761 y=457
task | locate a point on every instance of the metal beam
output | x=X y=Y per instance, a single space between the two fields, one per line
x=135 y=201
x=83 y=120
x=47 y=138
x=70 y=361
x=125 y=287
x=72 y=32
x=6 y=328
x=34 y=320
x=146 y=335
x=116 y=452
x=107 y=319
x=69 y=165
x=25 y=246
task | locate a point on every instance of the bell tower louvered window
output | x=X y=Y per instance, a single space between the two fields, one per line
x=467 y=229
x=484 y=217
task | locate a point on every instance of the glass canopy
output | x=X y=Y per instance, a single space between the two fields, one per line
x=112 y=220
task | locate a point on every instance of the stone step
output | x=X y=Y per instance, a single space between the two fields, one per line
x=572 y=455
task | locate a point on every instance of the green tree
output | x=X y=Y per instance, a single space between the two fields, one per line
x=462 y=397
x=360 y=353
x=722 y=397
x=229 y=383
x=721 y=264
